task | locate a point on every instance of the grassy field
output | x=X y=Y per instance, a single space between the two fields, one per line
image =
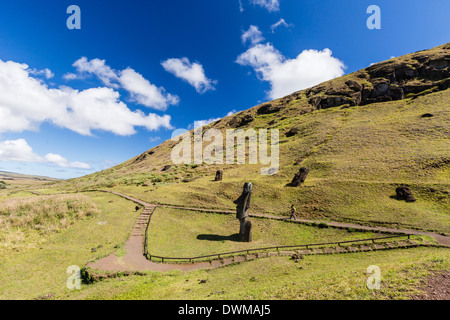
x=38 y=271
x=36 y=266
x=179 y=233
x=26 y=220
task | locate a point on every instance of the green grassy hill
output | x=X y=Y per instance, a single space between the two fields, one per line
x=361 y=136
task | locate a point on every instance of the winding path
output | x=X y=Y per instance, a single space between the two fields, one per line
x=134 y=260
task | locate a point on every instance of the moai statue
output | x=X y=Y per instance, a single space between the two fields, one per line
x=403 y=193
x=300 y=177
x=219 y=175
x=242 y=205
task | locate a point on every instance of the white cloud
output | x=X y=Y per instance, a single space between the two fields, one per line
x=241 y=7
x=270 y=5
x=45 y=72
x=280 y=22
x=193 y=73
x=70 y=76
x=64 y=163
x=285 y=76
x=26 y=102
x=17 y=150
x=20 y=151
x=101 y=109
x=153 y=139
x=201 y=123
x=252 y=35
x=141 y=90
x=97 y=67
x=145 y=93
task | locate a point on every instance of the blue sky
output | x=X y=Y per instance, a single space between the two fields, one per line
x=74 y=102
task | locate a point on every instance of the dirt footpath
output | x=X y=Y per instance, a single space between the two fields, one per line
x=436 y=287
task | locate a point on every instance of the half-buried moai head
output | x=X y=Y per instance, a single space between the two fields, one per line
x=403 y=193
x=219 y=175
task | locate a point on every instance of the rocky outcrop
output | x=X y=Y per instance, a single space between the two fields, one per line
x=269 y=108
x=240 y=121
x=143 y=156
x=292 y=132
x=416 y=74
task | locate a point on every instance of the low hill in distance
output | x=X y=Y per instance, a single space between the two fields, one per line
x=11 y=178
x=361 y=136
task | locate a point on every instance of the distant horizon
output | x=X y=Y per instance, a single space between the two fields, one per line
x=27 y=174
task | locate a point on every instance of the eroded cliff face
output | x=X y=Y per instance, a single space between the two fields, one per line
x=408 y=76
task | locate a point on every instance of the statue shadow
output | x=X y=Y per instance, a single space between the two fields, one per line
x=290 y=184
x=216 y=237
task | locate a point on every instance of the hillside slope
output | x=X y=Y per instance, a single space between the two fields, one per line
x=361 y=136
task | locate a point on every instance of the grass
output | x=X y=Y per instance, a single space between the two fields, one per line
x=180 y=233
x=45 y=214
x=41 y=271
x=30 y=272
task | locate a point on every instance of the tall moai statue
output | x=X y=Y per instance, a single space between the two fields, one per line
x=219 y=175
x=242 y=205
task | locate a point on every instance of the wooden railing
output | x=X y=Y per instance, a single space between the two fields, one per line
x=146 y=232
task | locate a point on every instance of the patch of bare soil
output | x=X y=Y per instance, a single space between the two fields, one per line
x=436 y=287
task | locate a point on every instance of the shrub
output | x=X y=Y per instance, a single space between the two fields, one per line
x=322 y=225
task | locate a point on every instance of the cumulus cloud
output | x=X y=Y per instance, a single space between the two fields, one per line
x=141 y=90
x=20 y=151
x=201 y=123
x=70 y=76
x=193 y=73
x=64 y=163
x=99 y=68
x=252 y=35
x=270 y=5
x=145 y=93
x=285 y=76
x=47 y=73
x=26 y=102
x=280 y=22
